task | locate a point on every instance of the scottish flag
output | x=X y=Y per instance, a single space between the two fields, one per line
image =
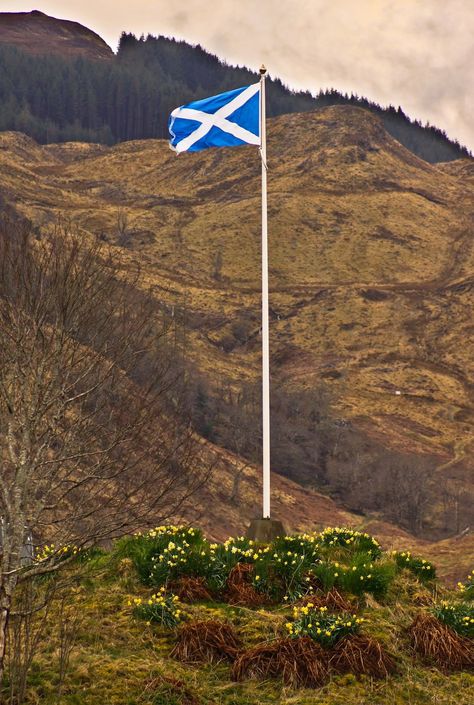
x=225 y=120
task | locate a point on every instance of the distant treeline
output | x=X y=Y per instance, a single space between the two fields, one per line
x=55 y=99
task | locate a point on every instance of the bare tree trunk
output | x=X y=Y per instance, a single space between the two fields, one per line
x=5 y=607
x=234 y=495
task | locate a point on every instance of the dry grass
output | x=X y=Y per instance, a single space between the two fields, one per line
x=171 y=688
x=439 y=644
x=239 y=575
x=333 y=600
x=210 y=641
x=240 y=591
x=190 y=589
x=361 y=655
x=301 y=663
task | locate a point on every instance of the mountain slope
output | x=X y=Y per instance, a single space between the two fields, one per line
x=371 y=259
x=37 y=33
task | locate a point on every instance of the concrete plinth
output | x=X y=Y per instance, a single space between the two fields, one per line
x=265 y=530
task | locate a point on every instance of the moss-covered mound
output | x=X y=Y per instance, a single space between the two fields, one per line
x=339 y=621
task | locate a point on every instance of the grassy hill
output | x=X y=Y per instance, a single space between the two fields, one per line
x=104 y=640
x=371 y=261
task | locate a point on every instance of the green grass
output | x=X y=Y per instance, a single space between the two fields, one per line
x=423 y=569
x=118 y=659
x=460 y=617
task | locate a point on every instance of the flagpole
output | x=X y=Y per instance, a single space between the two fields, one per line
x=265 y=322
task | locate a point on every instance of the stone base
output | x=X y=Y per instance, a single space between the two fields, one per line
x=265 y=530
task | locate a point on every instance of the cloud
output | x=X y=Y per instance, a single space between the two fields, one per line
x=414 y=53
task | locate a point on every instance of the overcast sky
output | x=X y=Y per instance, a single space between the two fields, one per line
x=415 y=53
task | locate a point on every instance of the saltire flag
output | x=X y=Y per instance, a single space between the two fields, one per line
x=226 y=120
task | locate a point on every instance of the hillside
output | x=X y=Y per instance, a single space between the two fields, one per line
x=303 y=509
x=37 y=33
x=371 y=283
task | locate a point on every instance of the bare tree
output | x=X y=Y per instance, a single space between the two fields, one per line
x=241 y=430
x=123 y=232
x=217 y=262
x=457 y=503
x=368 y=477
x=408 y=491
x=28 y=623
x=87 y=449
x=301 y=433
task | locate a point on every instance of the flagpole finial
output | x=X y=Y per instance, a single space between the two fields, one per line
x=263 y=70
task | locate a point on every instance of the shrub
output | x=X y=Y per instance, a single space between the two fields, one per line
x=224 y=557
x=322 y=626
x=209 y=641
x=423 y=570
x=359 y=577
x=363 y=576
x=350 y=540
x=460 y=617
x=160 y=608
x=145 y=549
x=467 y=589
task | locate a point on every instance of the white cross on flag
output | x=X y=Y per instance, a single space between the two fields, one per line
x=225 y=120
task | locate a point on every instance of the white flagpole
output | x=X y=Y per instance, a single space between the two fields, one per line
x=265 y=325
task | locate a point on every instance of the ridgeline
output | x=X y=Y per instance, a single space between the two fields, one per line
x=59 y=82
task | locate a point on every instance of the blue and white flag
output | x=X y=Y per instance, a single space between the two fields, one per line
x=225 y=120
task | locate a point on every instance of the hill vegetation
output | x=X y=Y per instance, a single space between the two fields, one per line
x=326 y=618
x=371 y=295
x=68 y=94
